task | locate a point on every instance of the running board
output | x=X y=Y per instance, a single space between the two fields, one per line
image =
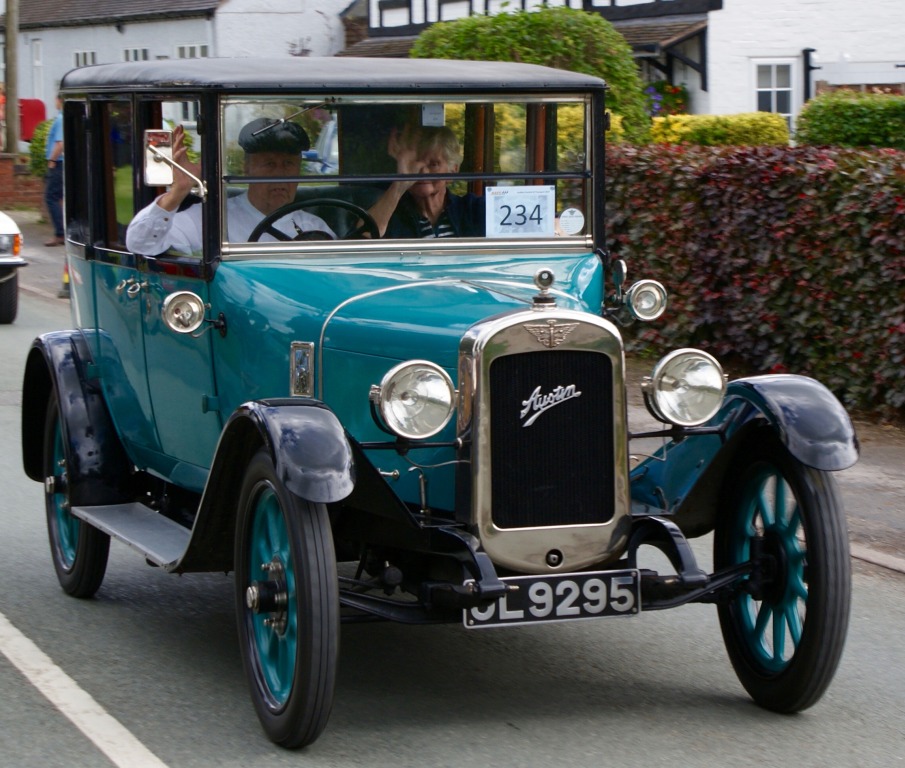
x=159 y=539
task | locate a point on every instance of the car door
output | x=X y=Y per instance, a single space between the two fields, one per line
x=116 y=328
x=179 y=365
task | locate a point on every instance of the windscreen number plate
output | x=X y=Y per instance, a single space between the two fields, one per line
x=564 y=597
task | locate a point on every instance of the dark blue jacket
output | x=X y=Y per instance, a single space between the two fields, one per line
x=466 y=214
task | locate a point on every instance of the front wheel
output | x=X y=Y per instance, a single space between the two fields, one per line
x=9 y=295
x=79 y=550
x=287 y=602
x=785 y=626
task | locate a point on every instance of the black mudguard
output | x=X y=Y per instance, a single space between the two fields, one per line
x=98 y=469
x=808 y=418
x=687 y=475
x=309 y=449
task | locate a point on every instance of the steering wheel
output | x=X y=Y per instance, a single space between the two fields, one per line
x=367 y=226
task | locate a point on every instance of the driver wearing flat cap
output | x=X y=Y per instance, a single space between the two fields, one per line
x=272 y=148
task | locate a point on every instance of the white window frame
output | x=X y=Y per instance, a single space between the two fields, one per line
x=793 y=89
x=136 y=54
x=192 y=51
x=37 y=68
x=84 y=58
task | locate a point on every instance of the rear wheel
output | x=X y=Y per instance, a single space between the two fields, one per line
x=287 y=603
x=784 y=633
x=79 y=550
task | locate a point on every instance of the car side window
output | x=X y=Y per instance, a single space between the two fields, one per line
x=76 y=168
x=163 y=225
x=117 y=171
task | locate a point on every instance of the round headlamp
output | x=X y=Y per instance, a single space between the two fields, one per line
x=686 y=388
x=415 y=399
x=646 y=300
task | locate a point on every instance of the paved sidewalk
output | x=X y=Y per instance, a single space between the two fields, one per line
x=44 y=273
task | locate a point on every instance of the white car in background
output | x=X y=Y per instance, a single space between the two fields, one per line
x=10 y=261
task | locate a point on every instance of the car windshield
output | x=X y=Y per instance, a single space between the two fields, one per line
x=478 y=167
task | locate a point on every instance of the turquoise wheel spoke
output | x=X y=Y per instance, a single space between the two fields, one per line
x=765 y=506
x=774 y=626
x=276 y=647
x=798 y=587
x=67 y=524
x=793 y=621
x=763 y=619
x=779 y=635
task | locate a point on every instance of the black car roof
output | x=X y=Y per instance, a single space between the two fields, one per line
x=326 y=74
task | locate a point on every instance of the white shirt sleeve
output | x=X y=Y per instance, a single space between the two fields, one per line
x=155 y=230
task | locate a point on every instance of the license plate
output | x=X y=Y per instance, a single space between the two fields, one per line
x=564 y=597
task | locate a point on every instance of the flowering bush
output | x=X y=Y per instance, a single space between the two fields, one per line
x=752 y=128
x=663 y=98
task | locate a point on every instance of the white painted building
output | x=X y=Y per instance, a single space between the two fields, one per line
x=733 y=55
x=56 y=36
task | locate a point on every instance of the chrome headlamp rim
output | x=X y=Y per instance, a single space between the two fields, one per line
x=635 y=304
x=384 y=397
x=655 y=393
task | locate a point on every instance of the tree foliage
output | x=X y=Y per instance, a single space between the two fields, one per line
x=555 y=37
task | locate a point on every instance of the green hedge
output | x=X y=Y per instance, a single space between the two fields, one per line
x=776 y=259
x=851 y=119
x=37 y=149
x=749 y=128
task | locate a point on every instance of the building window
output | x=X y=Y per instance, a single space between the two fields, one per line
x=135 y=54
x=194 y=51
x=774 y=89
x=37 y=68
x=85 y=58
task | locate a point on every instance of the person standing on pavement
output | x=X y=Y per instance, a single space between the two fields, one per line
x=53 y=181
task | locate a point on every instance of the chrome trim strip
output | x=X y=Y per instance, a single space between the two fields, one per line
x=405 y=248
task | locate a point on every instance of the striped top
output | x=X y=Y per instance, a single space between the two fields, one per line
x=443 y=227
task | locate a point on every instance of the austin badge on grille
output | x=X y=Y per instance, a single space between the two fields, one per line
x=550 y=334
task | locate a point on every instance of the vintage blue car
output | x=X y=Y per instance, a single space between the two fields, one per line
x=394 y=386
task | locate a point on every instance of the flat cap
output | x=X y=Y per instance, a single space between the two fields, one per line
x=268 y=135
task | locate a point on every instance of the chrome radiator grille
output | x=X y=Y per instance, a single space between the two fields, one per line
x=551 y=439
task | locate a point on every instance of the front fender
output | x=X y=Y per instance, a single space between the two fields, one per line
x=685 y=477
x=808 y=418
x=309 y=450
x=98 y=469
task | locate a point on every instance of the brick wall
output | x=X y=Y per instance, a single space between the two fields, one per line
x=17 y=186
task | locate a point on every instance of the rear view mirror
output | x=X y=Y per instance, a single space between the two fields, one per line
x=158 y=158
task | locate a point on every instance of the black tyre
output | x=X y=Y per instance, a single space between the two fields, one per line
x=287 y=602
x=9 y=295
x=784 y=636
x=79 y=550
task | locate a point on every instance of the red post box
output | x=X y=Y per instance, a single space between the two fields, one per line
x=31 y=114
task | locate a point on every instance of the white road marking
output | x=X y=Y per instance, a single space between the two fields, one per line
x=891 y=562
x=104 y=731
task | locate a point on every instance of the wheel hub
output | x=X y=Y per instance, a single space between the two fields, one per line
x=270 y=596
